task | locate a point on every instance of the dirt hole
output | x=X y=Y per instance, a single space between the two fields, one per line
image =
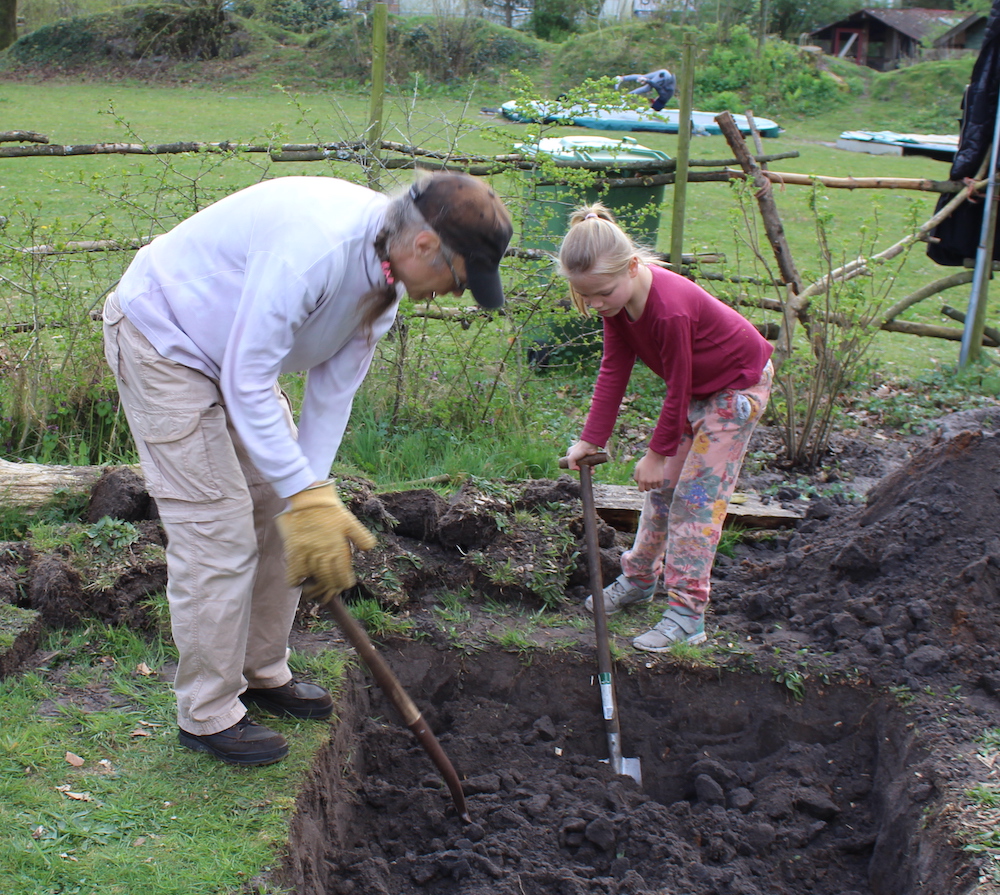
x=746 y=789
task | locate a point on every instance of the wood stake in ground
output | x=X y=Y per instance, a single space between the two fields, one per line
x=795 y=308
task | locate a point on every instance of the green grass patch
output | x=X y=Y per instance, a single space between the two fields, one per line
x=13 y=622
x=985 y=795
x=101 y=551
x=449 y=398
x=377 y=621
x=922 y=97
x=96 y=795
x=16 y=523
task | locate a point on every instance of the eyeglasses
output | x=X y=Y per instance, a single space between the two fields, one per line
x=459 y=285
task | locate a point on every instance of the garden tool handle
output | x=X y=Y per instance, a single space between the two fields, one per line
x=400 y=700
x=609 y=702
x=590 y=460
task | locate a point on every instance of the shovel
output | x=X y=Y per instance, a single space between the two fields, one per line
x=628 y=767
x=395 y=693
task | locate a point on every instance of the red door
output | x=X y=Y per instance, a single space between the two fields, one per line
x=851 y=43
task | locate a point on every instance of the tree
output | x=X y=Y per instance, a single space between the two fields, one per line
x=554 y=19
x=504 y=9
x=790 y=18
x=8 y=23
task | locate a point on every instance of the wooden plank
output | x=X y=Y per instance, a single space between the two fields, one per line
x=620 y=506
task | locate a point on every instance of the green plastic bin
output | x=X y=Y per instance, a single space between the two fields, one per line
x=548 y=205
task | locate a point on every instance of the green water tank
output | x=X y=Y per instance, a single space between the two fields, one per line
x=548 y=204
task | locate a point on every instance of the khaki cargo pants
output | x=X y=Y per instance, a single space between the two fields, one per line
x=230 y=608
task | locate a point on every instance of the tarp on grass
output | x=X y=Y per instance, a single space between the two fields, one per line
x=665 y=121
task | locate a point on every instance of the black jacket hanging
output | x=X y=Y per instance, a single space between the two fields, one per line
x=959 y=234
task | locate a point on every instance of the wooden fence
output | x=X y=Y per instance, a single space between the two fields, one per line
x=753 y=166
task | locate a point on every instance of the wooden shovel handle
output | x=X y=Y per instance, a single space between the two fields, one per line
x=400 y=700
x=590 y=460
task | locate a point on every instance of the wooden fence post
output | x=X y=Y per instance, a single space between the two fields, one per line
x=796 y=306
x=379 y=19
x=683 y=153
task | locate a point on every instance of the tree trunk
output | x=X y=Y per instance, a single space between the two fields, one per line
x=8 y=23
x=29 y=485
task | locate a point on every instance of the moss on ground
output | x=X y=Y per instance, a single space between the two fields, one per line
x=13 y=623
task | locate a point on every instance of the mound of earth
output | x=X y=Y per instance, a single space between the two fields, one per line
x=903 y=590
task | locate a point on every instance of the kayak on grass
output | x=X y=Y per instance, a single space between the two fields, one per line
x=626 y=119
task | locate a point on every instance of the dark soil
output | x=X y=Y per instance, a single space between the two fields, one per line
x=745 y=789
x=823 y=744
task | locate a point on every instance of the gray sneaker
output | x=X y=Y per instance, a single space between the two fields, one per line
x=620 y=593
x=678 y=625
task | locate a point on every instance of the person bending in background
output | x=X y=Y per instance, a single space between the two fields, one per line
x=661 y=81
x=292 y=274
x=717 y=371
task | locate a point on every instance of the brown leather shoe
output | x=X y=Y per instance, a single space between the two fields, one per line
x=296 y=699
x=246 y=743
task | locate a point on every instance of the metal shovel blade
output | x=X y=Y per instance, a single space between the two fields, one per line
x=627 y=767
x=630 y=767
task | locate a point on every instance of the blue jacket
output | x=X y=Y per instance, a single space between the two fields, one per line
x=662 y=81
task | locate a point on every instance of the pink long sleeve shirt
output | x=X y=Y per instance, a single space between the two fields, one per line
x=697 y=344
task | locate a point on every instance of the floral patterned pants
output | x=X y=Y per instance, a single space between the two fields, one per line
x=681 y=522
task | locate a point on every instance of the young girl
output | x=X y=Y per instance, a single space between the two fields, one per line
x=717 y=371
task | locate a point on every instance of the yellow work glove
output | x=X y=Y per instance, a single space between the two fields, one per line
x=318 y=530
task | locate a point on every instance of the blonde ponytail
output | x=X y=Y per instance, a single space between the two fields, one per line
x=595 y=244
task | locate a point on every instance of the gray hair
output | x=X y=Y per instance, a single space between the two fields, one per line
x=403 y=221
x=401 y=224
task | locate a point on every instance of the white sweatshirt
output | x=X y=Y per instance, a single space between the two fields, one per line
x=267 y=281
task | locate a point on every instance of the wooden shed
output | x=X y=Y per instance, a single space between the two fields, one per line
x=881 y=38
x=966 y=35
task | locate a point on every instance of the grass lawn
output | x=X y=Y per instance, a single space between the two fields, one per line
x=74 y=195
x=97 y=795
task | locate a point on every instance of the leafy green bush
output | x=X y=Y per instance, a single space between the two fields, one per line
x=727 y=99
x=299 y=16
x=565 y=339
x=181 y=32
x=439 y=48
x=176 y=32
x=781 y=78
x=729 y=73
x=73 y=40
x=616 y=50
x=109 y=536
x=556 y=19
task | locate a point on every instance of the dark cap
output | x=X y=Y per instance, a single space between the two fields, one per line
x=471 y=221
